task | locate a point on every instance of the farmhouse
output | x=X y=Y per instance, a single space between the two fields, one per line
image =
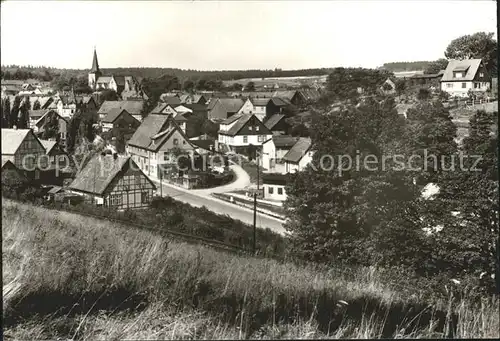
x=242 y=131
x=119 y=118
x=461 y=76
x=223 y=108
x=134 y=108
x=48 y=118
x=24 y=150
x=274 y=149
x=154 y=143
x=114 y=181
x=298 y=156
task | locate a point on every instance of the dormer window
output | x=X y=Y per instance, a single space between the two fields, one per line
x=481 y=74
x=458 y=75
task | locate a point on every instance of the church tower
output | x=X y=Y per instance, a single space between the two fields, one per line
x=94 y=73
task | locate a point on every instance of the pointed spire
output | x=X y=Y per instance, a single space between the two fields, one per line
x=95 y=64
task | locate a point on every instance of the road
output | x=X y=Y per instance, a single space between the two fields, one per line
x=221 y=207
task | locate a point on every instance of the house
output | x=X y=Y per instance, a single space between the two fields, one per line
x=10 y=171
x=263 y=108
x=119 y=118
x=388 y=87
x=50 y=116
x=176 y=111
x=430 y=80
x=222 y=108
x=461 y=76
x=273 y=151
x=114 y=181
x=293 y=96
x=277 y=124
x=192 y=99
x=134 y=108
x=273 y=185
x=242 y=131
x=57 y=157
x=298 y=156
x=34 y=116
x=153 y=144
x=24 y=150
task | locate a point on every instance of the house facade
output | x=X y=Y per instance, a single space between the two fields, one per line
x=222 y=108
x=48 y=117
x=241 y=131
x=273 y=186
x=114 y=181
x=274 y=150
x=119 y=118
x=462 y=76
x=24 y=150
x=299 y=156
x=155 y=142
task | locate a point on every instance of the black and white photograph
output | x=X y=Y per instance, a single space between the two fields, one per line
x=248 y=170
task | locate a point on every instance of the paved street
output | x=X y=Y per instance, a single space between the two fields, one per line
x=222 y=207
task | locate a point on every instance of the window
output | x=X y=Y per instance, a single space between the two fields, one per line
x=176 y=142
x=449 y=85
x=144 y=197
x=477 y=85
x=61 y=158
x=270 y=190
x=261 y=138
x=481 y=74
x=257 y=128
x=115 y=199
x=280 y=190
x=166 y=156
x=220 y=138
x=245 y=139
x=458 y=75
x=464 y=85
x=250 y=128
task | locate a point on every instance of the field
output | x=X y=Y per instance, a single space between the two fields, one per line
x=65 y=277
x=281 y=81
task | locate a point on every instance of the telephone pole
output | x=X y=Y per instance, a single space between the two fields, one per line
x=254 y=222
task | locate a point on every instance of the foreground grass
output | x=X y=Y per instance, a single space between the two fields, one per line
x=89 y=279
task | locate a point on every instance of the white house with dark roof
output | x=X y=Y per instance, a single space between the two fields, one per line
x=299 y=155
x=241 y=131
x=154 y=142
x=273 y=151
x=461 y=76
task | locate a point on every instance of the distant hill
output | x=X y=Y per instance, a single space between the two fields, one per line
x=23 y=72
x=405 y=66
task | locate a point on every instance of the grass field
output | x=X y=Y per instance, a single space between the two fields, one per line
x=64 y=277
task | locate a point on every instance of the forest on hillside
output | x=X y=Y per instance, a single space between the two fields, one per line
x=406 y=66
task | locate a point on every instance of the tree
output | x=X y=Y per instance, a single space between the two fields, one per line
x=345 y=83
x=400 y=86
x=250 y=86
x=436 y=66
x=478 y=45
x=6 y=113
x=188 y=85
x=36 y=105
x=108 y=95
x=72 y=134
x=333 y=211
x=51 y=128
x=423 y=94
x=430 y=131
x=15 y=111
x=468 y=241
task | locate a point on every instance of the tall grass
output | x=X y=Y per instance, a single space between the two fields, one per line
x=89 y=279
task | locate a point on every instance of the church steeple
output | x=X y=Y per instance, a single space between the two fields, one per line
x=95 y=64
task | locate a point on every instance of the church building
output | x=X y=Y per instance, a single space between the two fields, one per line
x=124 y=86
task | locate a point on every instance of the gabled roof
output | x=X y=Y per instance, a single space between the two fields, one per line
x=120 y=80
x=172 y=100
x=12 y=139
x=471 y=65
x=242 y=120
x=231 y=105
x=150 y=126
x=133 y=107
x=36 y=114
x=48 y=145
x=231 y=119
x=289 y=94
x=99 y=172
x=113 y=114
x=298 y=150
x=260 y=102
x=47 y=112
x=284 y=141
x=204 y=144
x=273 y=120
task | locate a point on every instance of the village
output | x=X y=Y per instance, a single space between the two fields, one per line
x=253 y=143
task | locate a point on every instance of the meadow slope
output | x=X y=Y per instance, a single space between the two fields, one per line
x=70 y=277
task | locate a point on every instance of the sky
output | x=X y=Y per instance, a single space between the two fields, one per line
x=230 y=35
